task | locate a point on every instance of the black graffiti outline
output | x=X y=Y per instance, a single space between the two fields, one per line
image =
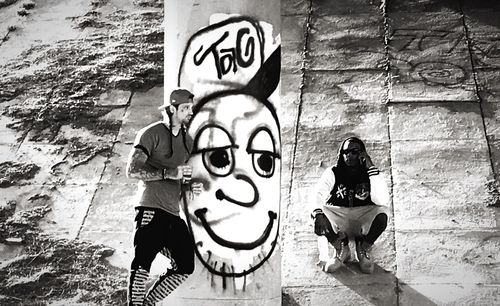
x=251 y=42
x=205 y=151
x=213 y=27
x=213 y=269
x=263 y=77
x=196 y=109
x=212 y=49
x=260 y=87
x=200 y=213
x=220 y=195
x=231 y=56
x=253 y=151
x=234 y=54
x=235 y=92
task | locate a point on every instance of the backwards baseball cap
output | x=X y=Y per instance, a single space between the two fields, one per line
x=178 y=96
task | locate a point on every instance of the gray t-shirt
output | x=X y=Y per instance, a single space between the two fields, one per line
x=164 y=151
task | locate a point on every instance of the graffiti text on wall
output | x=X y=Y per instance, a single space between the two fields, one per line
x=229 y=59
x=235 y=220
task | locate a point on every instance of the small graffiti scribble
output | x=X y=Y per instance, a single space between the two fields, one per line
x=486 y=51
x=421 y=39
x=438 y=73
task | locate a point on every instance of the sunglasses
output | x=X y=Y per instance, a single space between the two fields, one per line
x=353 y=151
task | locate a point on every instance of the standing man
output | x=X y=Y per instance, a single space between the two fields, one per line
x=158 y=161
x=351 y=200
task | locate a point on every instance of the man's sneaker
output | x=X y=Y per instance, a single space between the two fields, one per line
x=343 y=254
x=365 y=261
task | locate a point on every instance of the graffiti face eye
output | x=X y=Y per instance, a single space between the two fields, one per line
x=262 y=147
x=263 y=163
x=219 y=161
x=215 y=144
x=219 y=158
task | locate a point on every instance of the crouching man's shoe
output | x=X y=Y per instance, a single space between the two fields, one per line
x=343 y=254
x=366 y=264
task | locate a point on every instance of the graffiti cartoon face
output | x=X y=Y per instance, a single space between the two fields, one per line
x=236 y=155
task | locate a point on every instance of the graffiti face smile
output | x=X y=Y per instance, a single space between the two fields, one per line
x=200 y=213
x=236 y=150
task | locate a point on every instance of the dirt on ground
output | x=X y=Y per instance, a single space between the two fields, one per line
x=11 y=173
x=50 y=269
x=50 y=86
x=125 y=51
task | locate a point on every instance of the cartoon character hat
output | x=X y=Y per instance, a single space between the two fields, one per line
x=221 y=57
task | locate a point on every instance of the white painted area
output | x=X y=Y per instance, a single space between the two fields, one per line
x=240 y=116
x=177 y=22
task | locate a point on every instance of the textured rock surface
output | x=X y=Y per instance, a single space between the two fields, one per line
x=68 y=70
x=420 y=86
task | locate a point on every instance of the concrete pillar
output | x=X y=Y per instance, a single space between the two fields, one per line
x=227 y=53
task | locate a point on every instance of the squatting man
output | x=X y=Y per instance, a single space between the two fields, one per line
x=350 y=202
x=158 y=160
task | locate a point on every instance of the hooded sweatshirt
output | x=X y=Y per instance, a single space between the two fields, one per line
x=336 y=188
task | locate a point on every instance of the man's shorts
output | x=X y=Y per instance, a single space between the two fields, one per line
x=354 y=221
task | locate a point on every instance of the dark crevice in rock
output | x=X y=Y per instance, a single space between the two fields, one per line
x=53 y=269
x=5 y=3
x=126 y=55
x=11 y=173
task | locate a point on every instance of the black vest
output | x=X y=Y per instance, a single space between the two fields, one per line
x=350 y=191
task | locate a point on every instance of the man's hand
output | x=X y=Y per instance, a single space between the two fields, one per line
x=365 y=159
x=322 y=226
x=185 y=172
x=196 y=188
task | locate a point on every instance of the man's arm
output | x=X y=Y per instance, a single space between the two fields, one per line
x=322 y=190
x=320 y=195
x=379 y=193
x=138 y=168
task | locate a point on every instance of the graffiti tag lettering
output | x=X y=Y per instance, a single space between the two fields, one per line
x=438 y=72
x=224 y=54
x=229 y=58
x=419 y=39
x=236 y=150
